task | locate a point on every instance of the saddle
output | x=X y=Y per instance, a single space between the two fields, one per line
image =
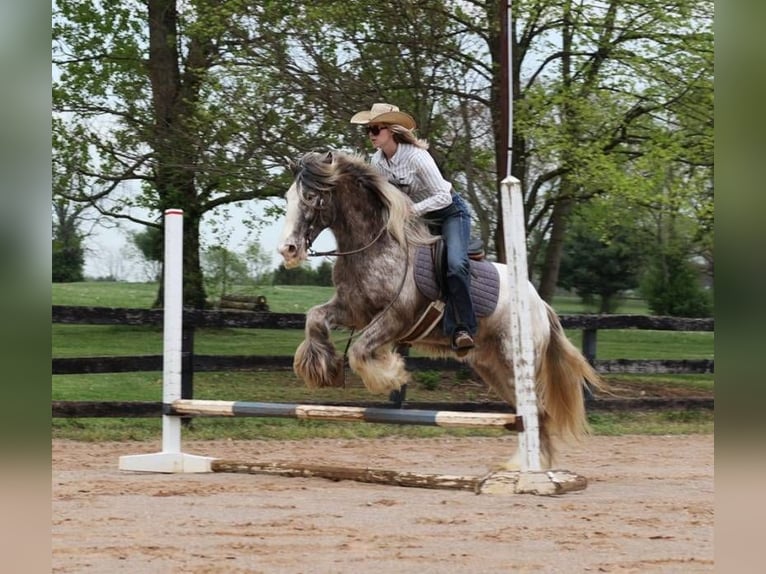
x=430 y=278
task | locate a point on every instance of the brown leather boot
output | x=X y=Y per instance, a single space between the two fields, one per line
x=462 y=342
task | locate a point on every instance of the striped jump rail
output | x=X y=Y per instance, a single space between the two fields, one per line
x=447 y=419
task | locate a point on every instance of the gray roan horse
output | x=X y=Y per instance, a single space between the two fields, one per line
x=376 y=294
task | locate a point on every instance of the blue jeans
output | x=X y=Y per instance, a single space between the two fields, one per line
x=454 y=224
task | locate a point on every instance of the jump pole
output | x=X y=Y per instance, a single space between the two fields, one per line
x=170 y=459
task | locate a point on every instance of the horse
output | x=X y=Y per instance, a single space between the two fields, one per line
x=377 y=238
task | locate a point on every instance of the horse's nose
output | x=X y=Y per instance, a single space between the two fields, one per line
x=288 y=250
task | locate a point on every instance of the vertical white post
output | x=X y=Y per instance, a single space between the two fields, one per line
x=172 y=326
x=171 y=459
x=515 y=237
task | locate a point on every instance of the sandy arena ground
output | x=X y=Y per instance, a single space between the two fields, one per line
x=648 y=508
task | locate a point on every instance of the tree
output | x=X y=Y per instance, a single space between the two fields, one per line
x=672 y=286
x=583 y=113
x=68 y=255
x=258 y=263
x=150 y=245
x=301 y=275
x=602 y=263
x=324 y=274
x=223 y=269
x=169 y=96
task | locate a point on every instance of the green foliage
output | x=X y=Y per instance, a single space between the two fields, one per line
x=68 y=261
x=672 y=287
x=150 y=243
x=429 y=380
x=303 y=275
x=223 y=269
x=324 y=274
x=258 y=264
x=602 y=262
x=68 y=252
x=151 y=247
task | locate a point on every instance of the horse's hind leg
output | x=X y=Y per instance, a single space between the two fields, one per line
x=316 y=361
x=496 y=370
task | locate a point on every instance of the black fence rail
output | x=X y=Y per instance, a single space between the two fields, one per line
x=192 y=319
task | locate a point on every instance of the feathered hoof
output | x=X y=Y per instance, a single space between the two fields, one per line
x=318 y=369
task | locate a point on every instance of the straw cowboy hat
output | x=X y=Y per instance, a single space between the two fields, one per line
x=384 y=114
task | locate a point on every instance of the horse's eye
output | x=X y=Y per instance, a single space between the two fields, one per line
x=311 y=196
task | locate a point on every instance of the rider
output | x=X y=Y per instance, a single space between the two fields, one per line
x=405 y=161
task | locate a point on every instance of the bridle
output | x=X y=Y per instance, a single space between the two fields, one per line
x=316 y=206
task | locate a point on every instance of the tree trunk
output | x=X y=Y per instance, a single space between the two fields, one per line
x=499 y=96
x=175 y=155
x=563 y=206
x=553 y=252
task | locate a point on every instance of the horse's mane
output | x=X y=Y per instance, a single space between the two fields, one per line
x=324 y=171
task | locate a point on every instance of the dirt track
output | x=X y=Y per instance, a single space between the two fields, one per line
x=648 y=508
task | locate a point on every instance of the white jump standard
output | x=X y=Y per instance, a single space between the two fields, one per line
x=171 y=459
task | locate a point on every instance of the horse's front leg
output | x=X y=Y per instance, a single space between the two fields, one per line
x=373 y=358
x=316 y=361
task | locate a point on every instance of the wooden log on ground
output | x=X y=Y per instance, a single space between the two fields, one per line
x=238 y=297
x=367 y=475
x=541 y=483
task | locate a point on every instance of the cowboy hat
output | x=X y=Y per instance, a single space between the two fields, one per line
x=384 y=114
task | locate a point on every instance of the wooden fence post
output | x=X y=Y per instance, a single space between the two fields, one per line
x=187 y=362
x=187 y=366
x=589 y=337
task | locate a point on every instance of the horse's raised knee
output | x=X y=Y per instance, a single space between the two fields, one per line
x=318 y=365
x=381 y=372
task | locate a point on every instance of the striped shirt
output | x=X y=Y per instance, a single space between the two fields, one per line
x=414 y=171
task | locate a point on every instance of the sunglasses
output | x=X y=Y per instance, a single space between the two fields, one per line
x=375 y=130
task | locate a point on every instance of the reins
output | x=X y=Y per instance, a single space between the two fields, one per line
x=336 y=253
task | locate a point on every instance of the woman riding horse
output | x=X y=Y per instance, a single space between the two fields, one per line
x=402 y=158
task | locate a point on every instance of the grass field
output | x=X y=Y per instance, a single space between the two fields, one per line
x=109 y=340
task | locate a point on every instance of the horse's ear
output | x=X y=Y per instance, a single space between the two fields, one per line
x=292 y=166
x=328 y=158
